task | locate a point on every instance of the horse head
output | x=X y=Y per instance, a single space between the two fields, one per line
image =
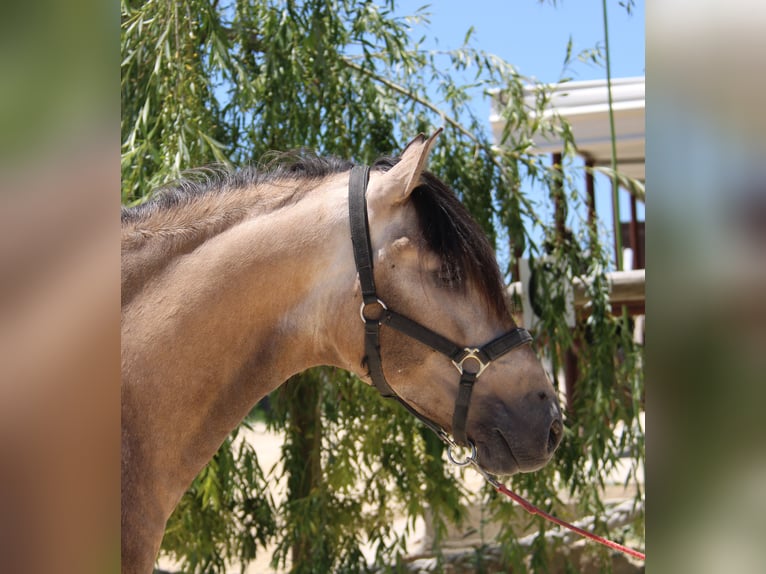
x=434 y=267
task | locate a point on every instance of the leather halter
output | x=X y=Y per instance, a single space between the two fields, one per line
x=481 y=356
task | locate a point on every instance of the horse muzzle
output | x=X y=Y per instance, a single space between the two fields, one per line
x=522 y=438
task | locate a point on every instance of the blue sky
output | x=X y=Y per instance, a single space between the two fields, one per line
x=533 y=36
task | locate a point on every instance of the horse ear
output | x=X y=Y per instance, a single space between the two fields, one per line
x=398 y=182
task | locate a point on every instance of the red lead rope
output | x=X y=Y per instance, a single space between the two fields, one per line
x=525 y=504
x=532 y=509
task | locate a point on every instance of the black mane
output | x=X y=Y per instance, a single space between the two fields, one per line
x=447 y=227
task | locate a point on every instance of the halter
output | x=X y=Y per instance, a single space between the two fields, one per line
x=375 y=313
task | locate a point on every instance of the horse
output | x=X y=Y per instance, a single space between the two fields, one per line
x=234 y=282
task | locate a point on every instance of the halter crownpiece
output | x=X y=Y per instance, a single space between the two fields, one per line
x=469 y=362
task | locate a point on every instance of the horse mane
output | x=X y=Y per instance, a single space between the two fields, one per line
x=221 y=180
x=447 y=227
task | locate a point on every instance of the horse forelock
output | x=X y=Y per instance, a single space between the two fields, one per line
x=467 y=257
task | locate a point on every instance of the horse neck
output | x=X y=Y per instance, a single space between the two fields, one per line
x=214 y=329
x=278 y=268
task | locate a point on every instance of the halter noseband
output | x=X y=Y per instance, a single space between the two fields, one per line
x=460 y=356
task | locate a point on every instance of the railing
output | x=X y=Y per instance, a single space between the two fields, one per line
x=625 y=288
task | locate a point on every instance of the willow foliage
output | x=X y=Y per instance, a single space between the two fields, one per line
x=226 y=82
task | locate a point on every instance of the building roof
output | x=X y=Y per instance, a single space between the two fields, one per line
x=585 y=106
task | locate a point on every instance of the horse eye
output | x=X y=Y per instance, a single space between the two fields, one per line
x=448 y=276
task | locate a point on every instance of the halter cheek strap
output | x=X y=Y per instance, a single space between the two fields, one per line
x=360 y=239
x=461 y=357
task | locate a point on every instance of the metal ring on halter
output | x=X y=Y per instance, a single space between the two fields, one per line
x=468 y=459
x=470 y=354
x=361 y=309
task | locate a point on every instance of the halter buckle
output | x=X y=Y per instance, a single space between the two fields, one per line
x=470 y=354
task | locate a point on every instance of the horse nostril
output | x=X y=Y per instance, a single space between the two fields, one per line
x=542 y=395
x=555 y=434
